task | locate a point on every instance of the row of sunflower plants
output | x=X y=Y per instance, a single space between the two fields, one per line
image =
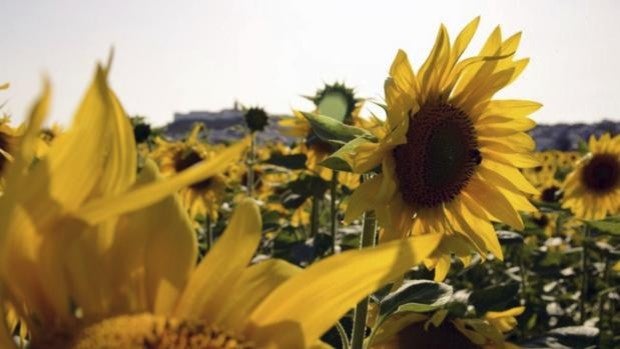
x=436 y=226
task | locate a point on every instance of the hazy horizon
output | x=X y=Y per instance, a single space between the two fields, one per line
x=206 y=55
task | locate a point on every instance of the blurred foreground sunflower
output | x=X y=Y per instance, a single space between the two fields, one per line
x=450 y=154
x=94 y=255
x=592 y=190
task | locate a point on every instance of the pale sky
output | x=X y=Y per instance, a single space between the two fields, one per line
x=202 y=55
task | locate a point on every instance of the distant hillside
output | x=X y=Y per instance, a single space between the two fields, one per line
x=228 y=125
x=567 y=136
x=222 y=127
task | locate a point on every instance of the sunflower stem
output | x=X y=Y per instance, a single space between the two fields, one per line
x=334 y=210
x=209 y=232
x=523 y=273
x=314 y=216
x=584 y=274
x=367 y=239
x=603 y=295
x=250 y=162
x=344 y=339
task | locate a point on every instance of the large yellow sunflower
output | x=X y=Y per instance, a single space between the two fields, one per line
x=592 y=190
x=204 y=197
x=450 y=155
x=94 y=256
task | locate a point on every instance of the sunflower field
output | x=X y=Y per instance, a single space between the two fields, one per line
x=436 y=224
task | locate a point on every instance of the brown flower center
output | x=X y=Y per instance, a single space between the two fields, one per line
x=442 y=337
x=440 y=156
x=541 y=221
x=186 y=159
x=550 y=194
x=144 y=331
x=602 y=173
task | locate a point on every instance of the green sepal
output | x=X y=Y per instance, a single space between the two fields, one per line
x=333 y=131
x=417 y=296
x=336 y=160
x=494 y=298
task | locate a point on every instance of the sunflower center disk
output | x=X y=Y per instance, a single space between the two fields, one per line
x=550 y=194
x=185 y=160
x=602 y=173
x=440 y=155
x=147 y=331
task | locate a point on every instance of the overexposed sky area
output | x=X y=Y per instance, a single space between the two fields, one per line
x=202 y=55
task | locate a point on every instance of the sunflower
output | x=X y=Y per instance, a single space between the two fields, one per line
x=450 y=155
x=335 y=99
x=408 y=330
x=95 y=256
x=545 y=221
x=550 y=174
x=202 y=198
x=592 y=190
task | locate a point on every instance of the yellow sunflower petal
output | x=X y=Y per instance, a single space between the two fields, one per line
x=99 y=210
x=403 y=75
x=254 y=284
x=221 y=267
x=516 y=159
x=442 y=268
x=460 y=44
x=362 y=198
x=493 y=202
x=329 y=288
x=120 y=165
x=435 y=64
x=511 y=108
x=506 y=176
x=6 y=338
x=158 y=244
x=78 y=150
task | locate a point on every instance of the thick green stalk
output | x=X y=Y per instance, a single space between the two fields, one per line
x=314 y=216
x=584 y=274
x=523 y=273
x=344 y=339
x=209 y=232
x=603 y=295
x=250 y=162
x=334 y=210
x=361 y=310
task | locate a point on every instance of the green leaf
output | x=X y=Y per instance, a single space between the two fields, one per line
x=334 y=131
x=292 y=200
x=336 y=163
x=575 y=336
x=506 y=237
x=610 y=225
x=336 y=160
x=495 y=298
x=582 y=147
x=417 y=296
x=292 y=161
